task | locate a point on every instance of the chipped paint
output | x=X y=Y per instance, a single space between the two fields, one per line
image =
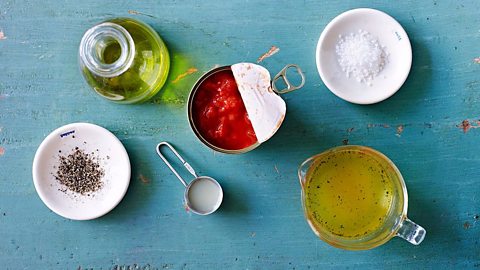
x=477 y=60
x=466 y=225
x=2 y=151
x=345 y=142
x=134 y=12
x=185 y=74
x=2 y=35
x=130 y=267
x=400 y=129
x=47 y=55
x=143 y=179
x=350 y=130
x=466 y=125
x=378 y=125
x=273 y=50
x=276 y=169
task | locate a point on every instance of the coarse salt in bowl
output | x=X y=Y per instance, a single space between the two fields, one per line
x=367 y=86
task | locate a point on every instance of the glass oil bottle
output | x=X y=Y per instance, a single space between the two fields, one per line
x=124 y=60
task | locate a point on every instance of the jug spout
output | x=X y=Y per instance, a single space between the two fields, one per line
x=303 y=169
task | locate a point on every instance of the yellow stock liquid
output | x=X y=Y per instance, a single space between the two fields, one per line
x=350 y=193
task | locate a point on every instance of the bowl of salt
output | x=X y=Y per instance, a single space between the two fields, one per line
x=363 y=56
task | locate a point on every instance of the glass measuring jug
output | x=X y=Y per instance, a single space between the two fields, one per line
x=355 y=198
x=203 y=195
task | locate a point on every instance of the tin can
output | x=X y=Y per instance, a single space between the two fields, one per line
x=260 y=95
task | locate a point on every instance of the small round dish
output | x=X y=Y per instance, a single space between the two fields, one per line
x=390 y=35
x=108 y=152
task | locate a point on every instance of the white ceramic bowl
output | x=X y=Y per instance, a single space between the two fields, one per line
x=111 y=155
x=389 y=33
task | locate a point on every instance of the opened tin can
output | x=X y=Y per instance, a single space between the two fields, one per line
x=233 y=109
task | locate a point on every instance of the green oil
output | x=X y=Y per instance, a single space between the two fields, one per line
x=111 y=53
x=146 y=74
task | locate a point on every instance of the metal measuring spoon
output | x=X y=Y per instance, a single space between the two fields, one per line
x=203 y=195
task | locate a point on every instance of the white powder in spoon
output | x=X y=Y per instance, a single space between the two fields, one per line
x=361 y=55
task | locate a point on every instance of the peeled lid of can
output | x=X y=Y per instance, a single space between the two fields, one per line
x=265 y=108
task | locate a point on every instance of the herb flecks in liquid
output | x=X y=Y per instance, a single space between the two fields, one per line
x=350 y=194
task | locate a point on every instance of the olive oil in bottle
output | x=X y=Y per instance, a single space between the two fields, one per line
x=124 y=60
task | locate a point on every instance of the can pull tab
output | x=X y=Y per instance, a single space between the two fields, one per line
x=283 y=75
x=184 y=163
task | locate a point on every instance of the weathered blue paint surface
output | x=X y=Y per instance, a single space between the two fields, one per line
x=261 y=224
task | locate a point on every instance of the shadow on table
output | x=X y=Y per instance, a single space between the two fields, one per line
x=297 y=136
x=233 y=200
x=288 y=145
x=413 y=90
x=140 y=191
x=440 y=237
x=182 y=76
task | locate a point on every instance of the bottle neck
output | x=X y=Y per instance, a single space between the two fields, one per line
x=107 y=50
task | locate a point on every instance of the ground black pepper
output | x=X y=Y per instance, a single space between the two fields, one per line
x=80 y=172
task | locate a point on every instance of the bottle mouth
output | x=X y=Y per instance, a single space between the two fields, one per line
x=107 y=49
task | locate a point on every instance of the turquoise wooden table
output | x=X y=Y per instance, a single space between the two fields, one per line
x=429 y=129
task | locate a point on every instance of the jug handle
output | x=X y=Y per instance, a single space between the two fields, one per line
x=411 y=231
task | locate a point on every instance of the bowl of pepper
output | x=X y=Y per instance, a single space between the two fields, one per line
x=81 y=171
